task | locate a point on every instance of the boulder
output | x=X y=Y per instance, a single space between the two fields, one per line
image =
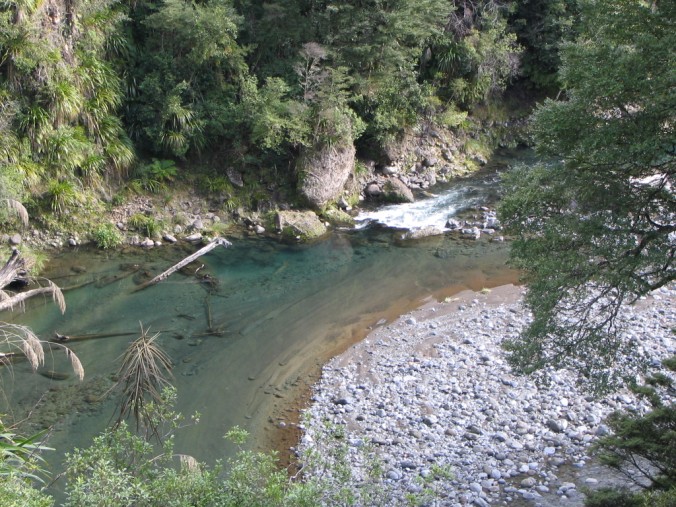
x=373 y=190
x=235 y=177
x=422 y=232
x=453 y=224
x=343 y=204
x=325 y=172
x=338 y=218
x=430 y=161
x=395 y=191
x=300 y=225
x=15 y=239
x=194 y=238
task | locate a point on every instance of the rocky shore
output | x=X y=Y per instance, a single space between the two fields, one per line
x=431 y=397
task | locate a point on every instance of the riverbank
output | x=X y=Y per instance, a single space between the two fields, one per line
x=432 y=392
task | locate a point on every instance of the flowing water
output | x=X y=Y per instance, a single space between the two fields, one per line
x=276 y=313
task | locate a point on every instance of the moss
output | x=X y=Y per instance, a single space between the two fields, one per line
x=338 y=218
x=299 y=225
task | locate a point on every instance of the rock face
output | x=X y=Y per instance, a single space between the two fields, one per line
x=325 y=173
x=300 y=225
x=395 y=190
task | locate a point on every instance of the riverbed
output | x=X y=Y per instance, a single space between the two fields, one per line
x=247 y=345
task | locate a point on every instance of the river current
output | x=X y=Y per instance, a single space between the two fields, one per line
x=247 y=347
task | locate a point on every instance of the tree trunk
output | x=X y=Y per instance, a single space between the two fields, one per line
x=210 y=246
x=14 y=270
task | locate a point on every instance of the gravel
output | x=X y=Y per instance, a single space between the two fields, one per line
x=433 y=392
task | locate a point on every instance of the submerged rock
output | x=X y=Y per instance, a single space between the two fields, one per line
x=422 y=232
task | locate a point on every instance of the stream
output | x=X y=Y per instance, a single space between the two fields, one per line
x=247 y=348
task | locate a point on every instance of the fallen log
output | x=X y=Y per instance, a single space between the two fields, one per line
x=17 y=299
x=14 y=270
x=210 y=246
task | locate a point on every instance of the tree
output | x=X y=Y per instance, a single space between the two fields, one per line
x=596 y=227
x=185 y=76
x=541 y=27
x=643 y=446
x=476 y=56
x=382 y=43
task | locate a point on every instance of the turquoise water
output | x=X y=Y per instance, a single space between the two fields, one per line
x=280 y=312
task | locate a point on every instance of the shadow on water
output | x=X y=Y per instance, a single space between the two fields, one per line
x=276 y=313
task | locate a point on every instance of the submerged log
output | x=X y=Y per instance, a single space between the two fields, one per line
x=210 y=246
x=62 y=338
x=11 y=357
x=107 y=280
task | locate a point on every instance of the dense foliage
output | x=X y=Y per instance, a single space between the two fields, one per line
x=89 y=91
x=643 y=447
x=597 y=226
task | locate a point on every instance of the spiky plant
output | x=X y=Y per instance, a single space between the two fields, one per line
x=17 y=339
x=144 y=373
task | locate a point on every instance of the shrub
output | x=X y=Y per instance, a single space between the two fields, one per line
x=145 y=225
x=107 y=236
x=62 y=195
x=608 y=497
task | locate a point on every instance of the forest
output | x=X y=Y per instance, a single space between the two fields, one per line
x=101 y=100
x=103 y=97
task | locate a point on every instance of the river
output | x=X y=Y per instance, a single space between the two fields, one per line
x=280 y=311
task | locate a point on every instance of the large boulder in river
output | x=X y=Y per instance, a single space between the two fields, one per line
x=394 y=190
x=324 y=173
x=299 y=225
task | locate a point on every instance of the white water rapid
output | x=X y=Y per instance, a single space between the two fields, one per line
x=429 y=209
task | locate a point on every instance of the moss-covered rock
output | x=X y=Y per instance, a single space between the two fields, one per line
x=299 y=225
x=338 y=218
x=394 y=190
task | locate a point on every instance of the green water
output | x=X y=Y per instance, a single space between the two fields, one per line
x=281 y=311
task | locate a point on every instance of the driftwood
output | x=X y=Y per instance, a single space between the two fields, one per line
x=208 y=307
x=15 y=270
x=210 y=246
x=62 y=338
x=79 y=285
